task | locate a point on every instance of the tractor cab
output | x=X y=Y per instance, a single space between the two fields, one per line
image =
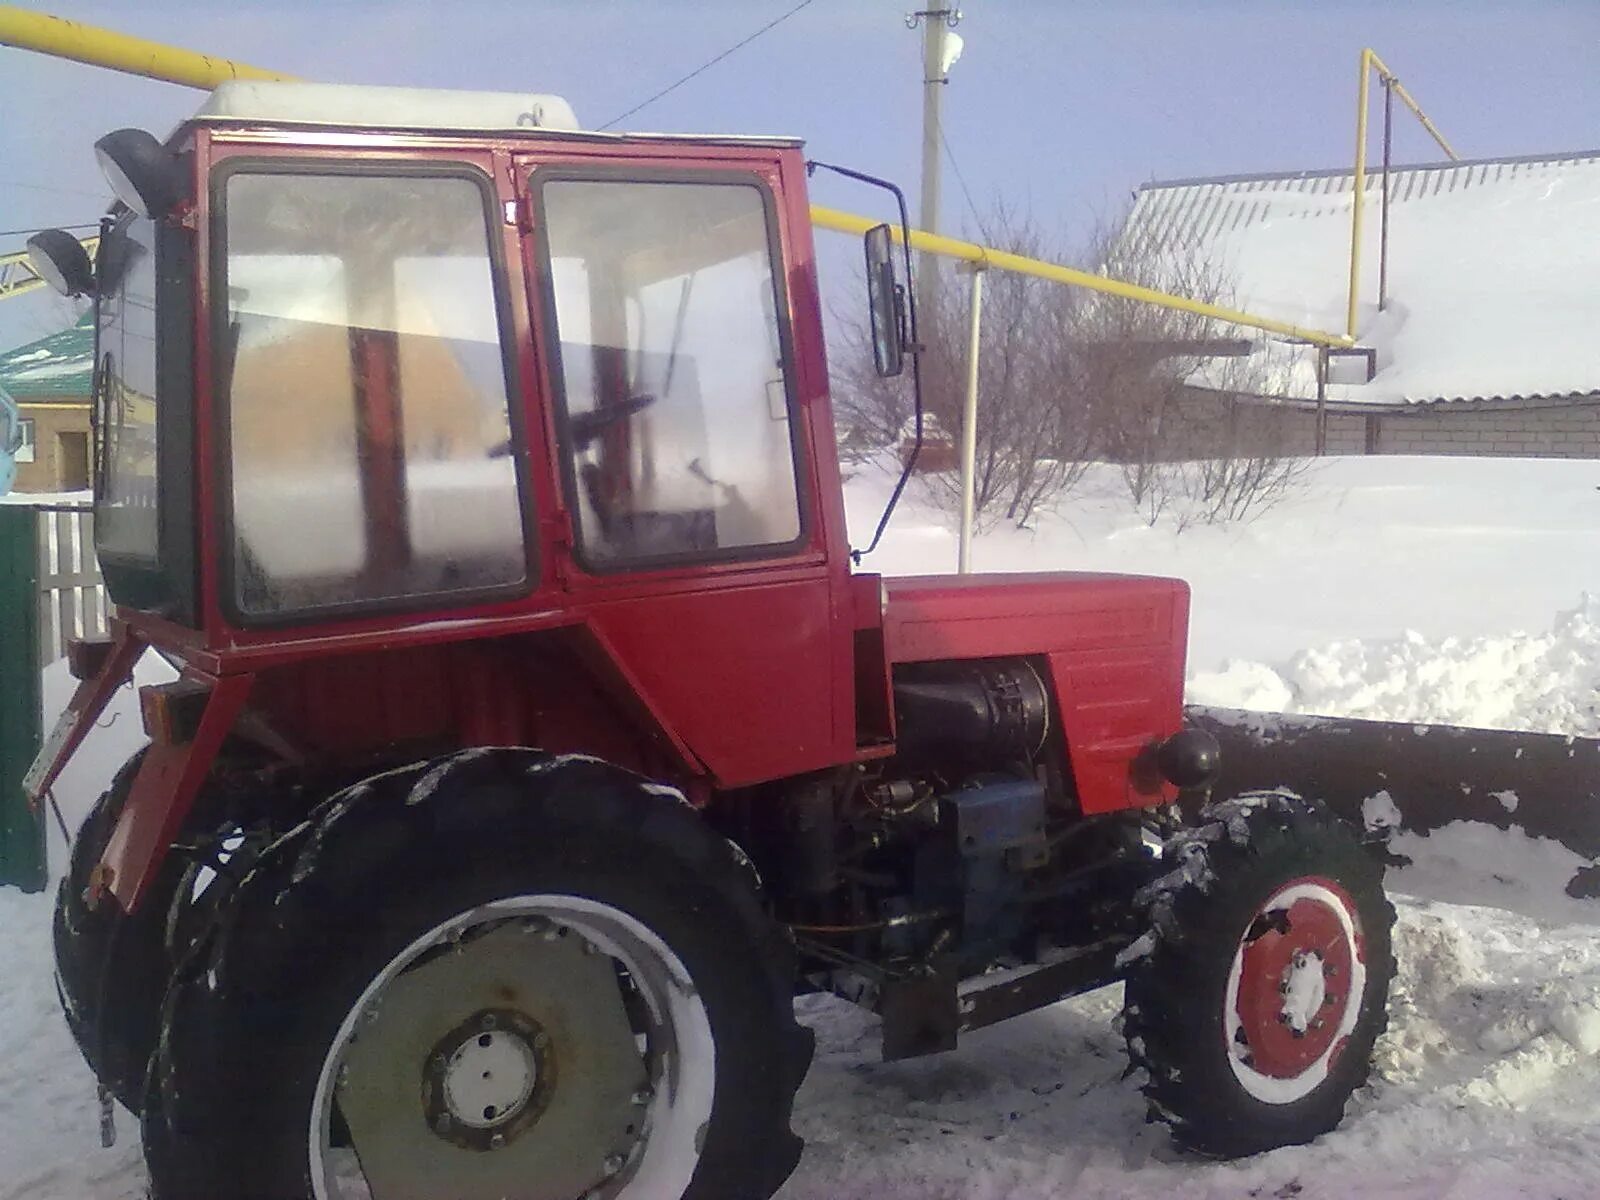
x=351 y=362
x=387 y=376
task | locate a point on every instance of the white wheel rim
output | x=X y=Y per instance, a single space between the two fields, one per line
x=677 y=1044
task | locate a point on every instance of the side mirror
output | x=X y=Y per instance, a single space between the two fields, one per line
x=60 y=260
x=141 y=171
x=885 y=303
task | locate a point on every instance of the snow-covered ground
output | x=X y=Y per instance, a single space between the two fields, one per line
x=1487 y=1085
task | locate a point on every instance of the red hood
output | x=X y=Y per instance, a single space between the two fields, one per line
x=1115 y=644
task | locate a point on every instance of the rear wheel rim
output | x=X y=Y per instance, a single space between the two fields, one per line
x=1295 y=990
x=541 y=1046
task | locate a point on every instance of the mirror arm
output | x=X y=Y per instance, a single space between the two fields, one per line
x=914 y=347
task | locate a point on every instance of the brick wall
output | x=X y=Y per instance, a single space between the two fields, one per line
x=1208 y=425
x=1512 y=428
x=50 y=421
x=1504 y=428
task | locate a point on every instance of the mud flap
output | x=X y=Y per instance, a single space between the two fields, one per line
x=169 y=779
x=85 y=707
x=1418 y=778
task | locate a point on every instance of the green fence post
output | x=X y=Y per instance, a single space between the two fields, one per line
x=22 y=846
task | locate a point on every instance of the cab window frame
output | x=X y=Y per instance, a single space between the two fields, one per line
x=537 y=177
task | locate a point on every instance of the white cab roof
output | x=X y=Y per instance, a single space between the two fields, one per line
x=386 y=107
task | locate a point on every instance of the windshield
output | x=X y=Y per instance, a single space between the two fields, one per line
x=125 y=395
x=368 y=398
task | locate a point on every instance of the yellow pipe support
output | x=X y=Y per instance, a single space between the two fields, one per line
x=120 y=52
x=1371 y=62
x=946 y=247
x=1405 y=96
x=1359 y=194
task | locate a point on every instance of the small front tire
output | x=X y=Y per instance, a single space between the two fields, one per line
x=1266 y=983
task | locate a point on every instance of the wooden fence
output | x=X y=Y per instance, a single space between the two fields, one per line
x=72 y=597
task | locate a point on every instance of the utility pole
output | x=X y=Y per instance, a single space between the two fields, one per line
x=940 y=49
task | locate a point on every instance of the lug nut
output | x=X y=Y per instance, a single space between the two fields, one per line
x=441 y=1123
x=488 y=1021
x=497 y=1141
x=541 y=1040
x=642 y=1097
x=614 y=1163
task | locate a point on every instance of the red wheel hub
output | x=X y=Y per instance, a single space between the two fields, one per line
x=1296 y=972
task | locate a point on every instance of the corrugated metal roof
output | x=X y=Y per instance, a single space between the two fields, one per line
x=58 y=367
x=1492 y=266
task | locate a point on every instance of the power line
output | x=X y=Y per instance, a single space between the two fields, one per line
x=773 y=24
x=965 y=191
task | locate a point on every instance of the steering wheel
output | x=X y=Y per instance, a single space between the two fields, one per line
x=584 y=427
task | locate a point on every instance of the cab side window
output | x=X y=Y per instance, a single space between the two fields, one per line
x=677 y=425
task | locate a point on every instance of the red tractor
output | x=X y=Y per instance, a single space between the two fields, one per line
x=535 y=740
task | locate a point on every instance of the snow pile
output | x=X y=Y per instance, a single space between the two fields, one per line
x=1547 y=682
x=49 y=1124
x=1466 y=862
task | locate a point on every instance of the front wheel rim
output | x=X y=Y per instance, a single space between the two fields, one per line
x=537 y=1046
x=1295 y=990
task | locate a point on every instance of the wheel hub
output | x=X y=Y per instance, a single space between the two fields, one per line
x=489 y=1079
x=529 y=1070
x=1295 y=990
x=1305 y=991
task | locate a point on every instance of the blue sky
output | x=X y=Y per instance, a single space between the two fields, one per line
x=1061 y=107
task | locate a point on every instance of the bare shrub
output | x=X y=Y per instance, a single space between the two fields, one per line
x=1213 y=453
x=1034 y=437
x=1068 y=376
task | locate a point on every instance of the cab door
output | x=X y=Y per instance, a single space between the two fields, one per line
x=693 y=538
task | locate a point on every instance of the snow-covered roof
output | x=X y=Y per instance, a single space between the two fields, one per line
x=1492 y=270
x=58 y=367
x=386 y=107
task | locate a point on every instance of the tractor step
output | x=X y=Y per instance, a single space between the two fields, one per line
x=926 y=1014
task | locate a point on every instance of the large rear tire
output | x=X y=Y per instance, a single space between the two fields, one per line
x=1266 y=980
x=535 y=977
